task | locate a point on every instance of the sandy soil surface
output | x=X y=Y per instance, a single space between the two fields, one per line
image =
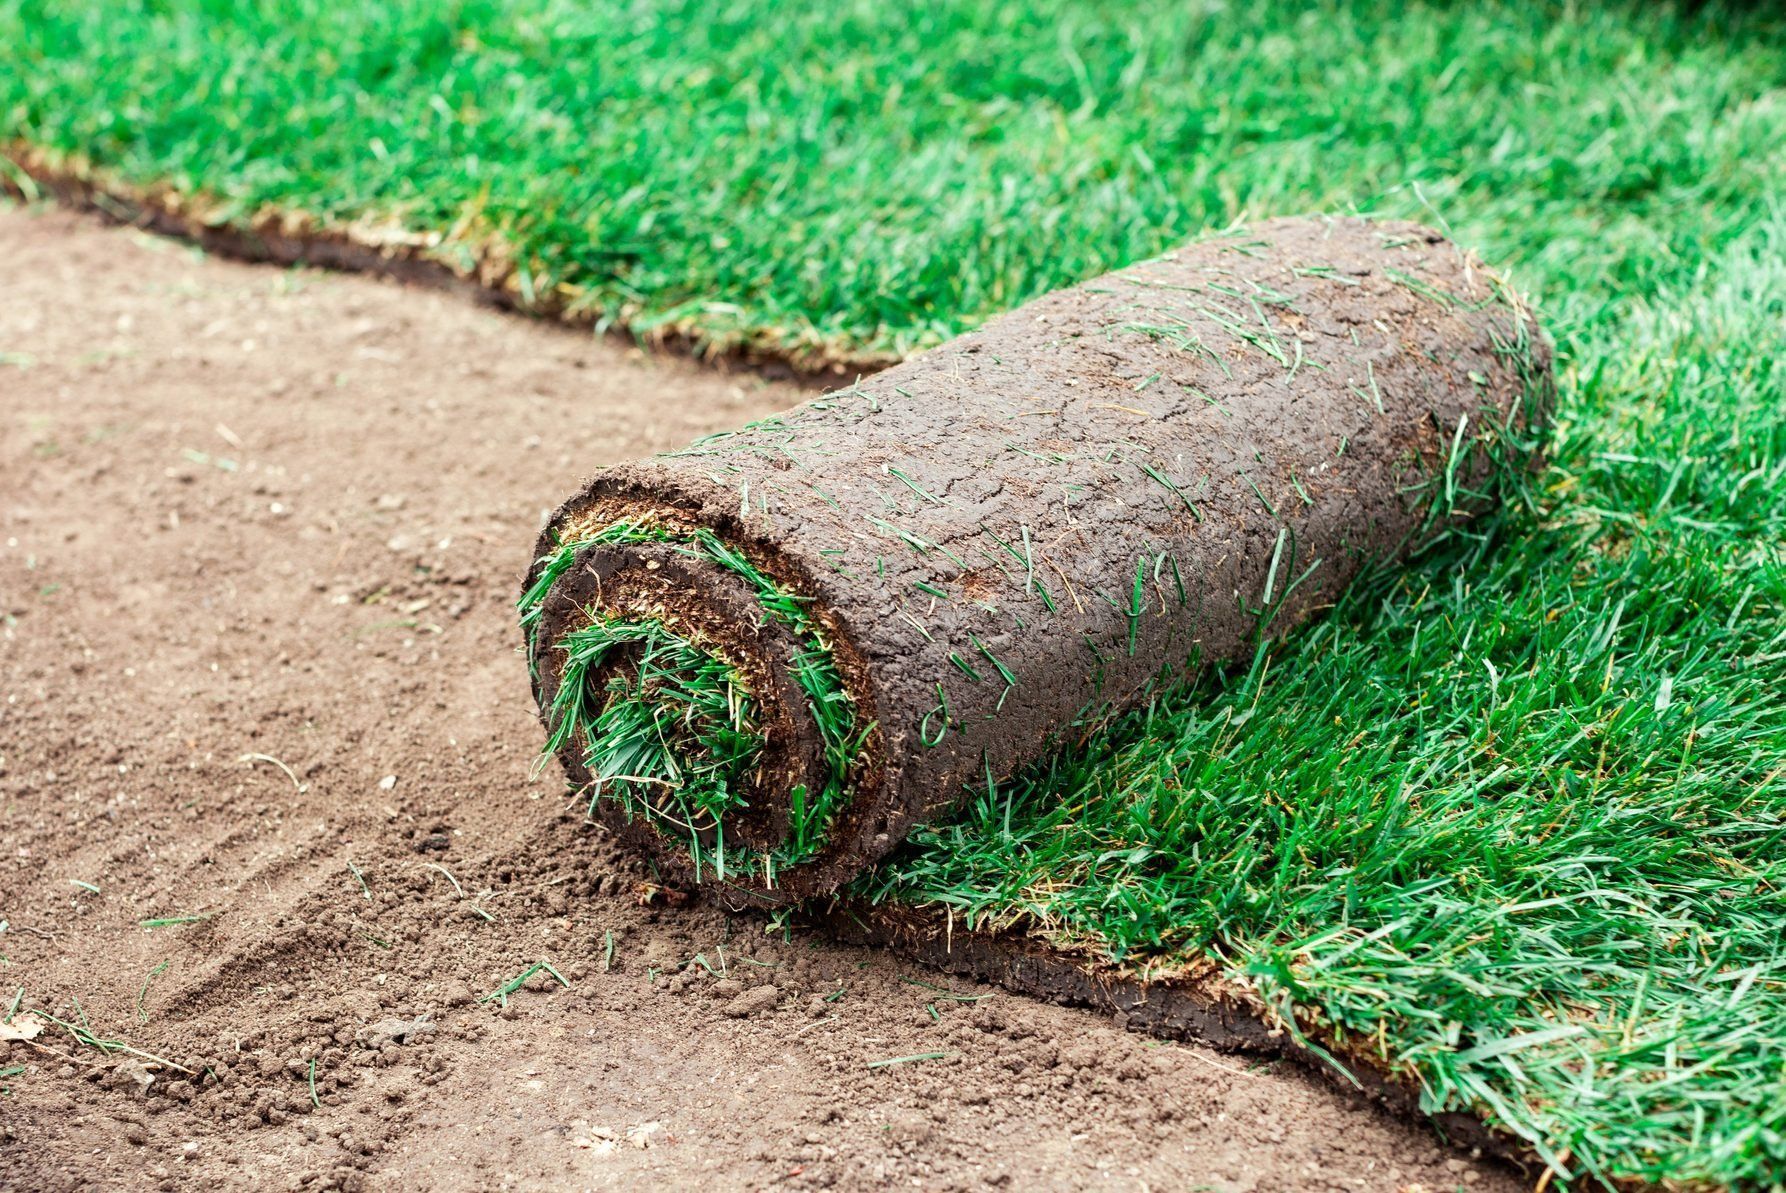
x=260 y=534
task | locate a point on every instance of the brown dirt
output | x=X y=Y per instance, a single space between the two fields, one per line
x=282 y=514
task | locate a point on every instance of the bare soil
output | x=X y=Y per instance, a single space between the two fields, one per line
x=260 y=536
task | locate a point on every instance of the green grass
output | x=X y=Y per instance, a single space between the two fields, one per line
x=501 y=993
x=856 y=179
x=1513 y=819
x=671 y=737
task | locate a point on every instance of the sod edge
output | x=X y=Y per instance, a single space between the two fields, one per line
x=482 y=272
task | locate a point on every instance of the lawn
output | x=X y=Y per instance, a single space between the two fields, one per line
x=1514 y=818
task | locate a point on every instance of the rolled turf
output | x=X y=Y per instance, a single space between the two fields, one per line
x=770 y=655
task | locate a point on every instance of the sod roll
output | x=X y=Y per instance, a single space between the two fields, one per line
x=767 y=656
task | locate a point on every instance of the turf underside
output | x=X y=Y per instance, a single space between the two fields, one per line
x=1516 y=816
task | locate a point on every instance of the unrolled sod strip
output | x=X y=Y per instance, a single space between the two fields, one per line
x=767 y=656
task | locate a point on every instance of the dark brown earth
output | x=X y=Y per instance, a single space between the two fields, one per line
x=1027 y=528
x=260 y=533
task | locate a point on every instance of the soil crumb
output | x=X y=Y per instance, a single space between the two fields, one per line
x=270 y=819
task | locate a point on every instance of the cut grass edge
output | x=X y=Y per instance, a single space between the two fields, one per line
x=274 y=236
